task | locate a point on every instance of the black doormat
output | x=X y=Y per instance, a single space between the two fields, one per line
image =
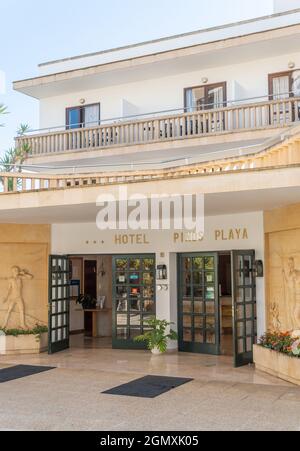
x=148 y=386
x=17 y=372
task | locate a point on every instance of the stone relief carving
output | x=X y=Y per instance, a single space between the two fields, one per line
x=291 y=283
x=14 y=298
x=275 y=317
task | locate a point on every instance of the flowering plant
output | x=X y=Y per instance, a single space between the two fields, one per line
x=281 y=342
x=296 y=348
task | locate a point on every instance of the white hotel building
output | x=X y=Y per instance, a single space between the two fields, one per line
x=214 y=112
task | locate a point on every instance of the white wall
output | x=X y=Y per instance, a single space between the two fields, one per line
x=87 y=239
x=244 y=80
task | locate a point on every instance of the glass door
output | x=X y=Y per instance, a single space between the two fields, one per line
x=59 y=304
x=134 y=290
x=198 y=309
x=244 y=306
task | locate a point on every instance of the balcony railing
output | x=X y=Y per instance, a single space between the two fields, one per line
x=251 y=116
x=284 y=152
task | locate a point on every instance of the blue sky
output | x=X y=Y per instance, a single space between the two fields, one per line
x=34 y=31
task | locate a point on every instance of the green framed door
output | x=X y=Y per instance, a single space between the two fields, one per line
x=244 y=306
x=134 y=298
x=59 y=304
x=198 y=307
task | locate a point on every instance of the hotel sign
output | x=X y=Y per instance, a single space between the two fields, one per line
x=231 y=234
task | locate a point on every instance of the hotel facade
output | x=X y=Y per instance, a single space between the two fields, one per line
x=212 y=115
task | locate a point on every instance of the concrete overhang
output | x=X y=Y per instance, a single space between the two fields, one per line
x=227 y=193
x=242 y=48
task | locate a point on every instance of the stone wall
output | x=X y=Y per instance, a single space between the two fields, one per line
x=24 y=252
x=282 y=228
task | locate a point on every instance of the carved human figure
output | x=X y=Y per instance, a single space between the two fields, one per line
x=292 y=281
x=14 y=296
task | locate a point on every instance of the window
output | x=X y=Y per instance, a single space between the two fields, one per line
x=280 y=85
x=205 y=97
x=83 y=116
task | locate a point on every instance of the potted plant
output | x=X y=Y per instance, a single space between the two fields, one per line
x=87 y=302
x=157 y=338
x=278 y=354
x=20 y=341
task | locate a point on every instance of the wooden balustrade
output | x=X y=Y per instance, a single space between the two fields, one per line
x=281 y=155
x=277 y=113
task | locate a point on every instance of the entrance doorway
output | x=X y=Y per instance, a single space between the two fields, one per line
x=217 y=304
x=134 y=298
x=119 y=294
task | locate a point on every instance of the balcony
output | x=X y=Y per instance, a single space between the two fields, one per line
x=165 y=127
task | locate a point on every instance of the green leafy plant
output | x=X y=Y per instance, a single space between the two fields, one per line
x=38 y=330
x=157 y=337
x=87 y=302
x=282 y=342
x=14 y=157
x=3 y=110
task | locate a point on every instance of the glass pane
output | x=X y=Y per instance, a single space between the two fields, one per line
x=198 y=293
x=187 y=321
x=146 y=319
x=198 y=278
x=149 y=306
x=135 y=305
x=198 y=307
x=198 y=322
x=187 y=292
x=122 y=305
x=187 y=335
x=240 y=313
x=149 y=264
x=148 y=278
x=134 y=278
x=135 y=320
x=249 y=311
x=198 y=263
x=210 y=322
x=209 y=277
x=240 y=329
x=209 y=263
x=122 y=334
x=135 y=264
x=121 y=264
x=135 y=333
x=241 y=348
x=199 y=337
x=148 y=292
x=248 y=295
x=187 y=307
x=248 y=269
x=187 y=264
x=135 y=292
x=210 y=308
x=240 y=295
x=121 y=278
x=74 y=118
x=249 y=344
x=210 y=292
x=121 y=292
x=187 y=278
x=121 y=320
x=249 y=330
x=210 y=337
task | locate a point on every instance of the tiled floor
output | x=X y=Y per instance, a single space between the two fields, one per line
x=70 y=397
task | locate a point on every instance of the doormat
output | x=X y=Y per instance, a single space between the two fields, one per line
x=148 y=386
x=18 y=372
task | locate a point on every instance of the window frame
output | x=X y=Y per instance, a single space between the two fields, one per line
x=82 y=114
x=271 y=77
x=222 y=84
